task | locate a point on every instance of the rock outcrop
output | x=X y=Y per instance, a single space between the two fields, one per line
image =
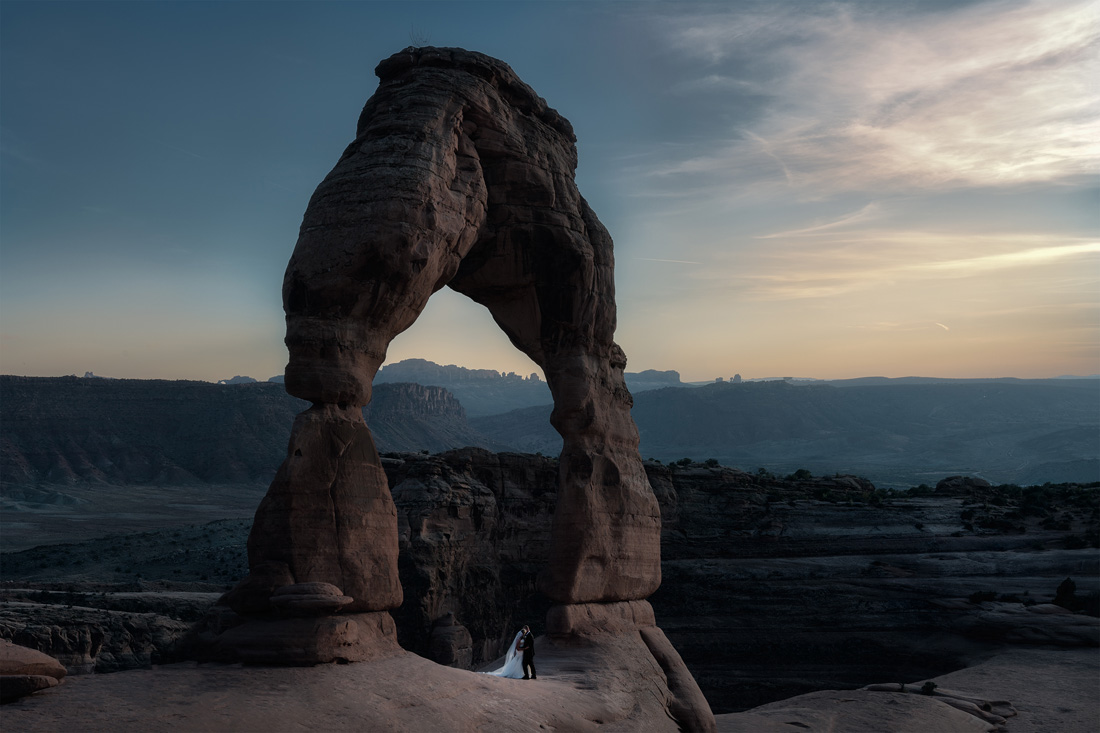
x=86 y=640
x=24 y=670
x=460 y=175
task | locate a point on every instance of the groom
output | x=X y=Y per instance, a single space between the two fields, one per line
x=527 y=644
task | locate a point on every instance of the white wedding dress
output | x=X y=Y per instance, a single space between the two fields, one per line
x=513 y=662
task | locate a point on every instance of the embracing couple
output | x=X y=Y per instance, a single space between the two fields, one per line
x=519 y=662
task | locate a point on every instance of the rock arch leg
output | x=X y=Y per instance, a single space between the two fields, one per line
x=550 y=287
x=386 y=228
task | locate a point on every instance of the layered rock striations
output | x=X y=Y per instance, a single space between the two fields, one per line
x=460 y=175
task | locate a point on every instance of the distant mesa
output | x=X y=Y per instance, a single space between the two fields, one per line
x=489 y=392
x=427 y=372
x=238 y=380
x=652 y=379
x=89 y=375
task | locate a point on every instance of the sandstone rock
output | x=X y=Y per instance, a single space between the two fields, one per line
x=1015 y=623
x=955 y=484
x=85 y=640
x=855 y=710
x=353 y=637
x=688 y=705
x=461 y=175
x=252 y=595
x=310 y=599
x=450 y=643
x=588 y=623
x=24 y=670
x=328 y=517
x=21 y=660
x=989 y=710
x=15 y=686
x=584 y=619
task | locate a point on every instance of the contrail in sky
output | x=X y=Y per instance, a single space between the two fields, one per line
x=945 y=328
x=679 y=262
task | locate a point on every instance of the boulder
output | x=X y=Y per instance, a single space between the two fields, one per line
x=24 y=670
x=21 y=660
x=15 y=686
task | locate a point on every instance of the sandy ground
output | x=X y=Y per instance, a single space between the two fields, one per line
x=578 y=690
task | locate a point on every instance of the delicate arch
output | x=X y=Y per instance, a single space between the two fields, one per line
x=459 y=175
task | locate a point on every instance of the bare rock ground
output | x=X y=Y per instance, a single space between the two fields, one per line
x=579 y=689
x=1049 y=689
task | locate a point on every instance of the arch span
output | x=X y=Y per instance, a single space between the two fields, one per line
x=460 y=176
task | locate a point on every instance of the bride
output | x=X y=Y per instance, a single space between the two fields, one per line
x=513 y=661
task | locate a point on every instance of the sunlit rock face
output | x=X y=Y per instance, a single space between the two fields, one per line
x=459 y=175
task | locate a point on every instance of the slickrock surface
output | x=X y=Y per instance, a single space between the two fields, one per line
x=584 y=688
x=609 y=683
x=1046 y=690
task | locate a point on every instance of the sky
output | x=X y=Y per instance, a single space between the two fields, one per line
x=830 y=189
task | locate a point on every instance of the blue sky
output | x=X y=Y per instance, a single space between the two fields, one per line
x=795 y=189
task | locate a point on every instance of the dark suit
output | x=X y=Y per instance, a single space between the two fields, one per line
x=527 y=644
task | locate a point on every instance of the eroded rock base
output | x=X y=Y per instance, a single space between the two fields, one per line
x=585 y=623
x=305 y=641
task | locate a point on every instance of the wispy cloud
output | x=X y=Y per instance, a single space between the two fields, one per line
x=993 y=94
x=1019 y=258
x=677 y=262
x=800 y=269
x=865 y=214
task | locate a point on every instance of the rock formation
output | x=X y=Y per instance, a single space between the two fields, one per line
x=460 y=175
x=24 y=670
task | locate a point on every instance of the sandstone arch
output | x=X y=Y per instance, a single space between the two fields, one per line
x=460 y=175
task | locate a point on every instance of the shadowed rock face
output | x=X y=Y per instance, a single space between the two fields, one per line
x=459 y=175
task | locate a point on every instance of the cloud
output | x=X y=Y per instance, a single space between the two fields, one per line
x=1018 y=258
x=865 y=214
x=677 y=262
x=993 y=94
x=718 y=83
x=840 y=265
